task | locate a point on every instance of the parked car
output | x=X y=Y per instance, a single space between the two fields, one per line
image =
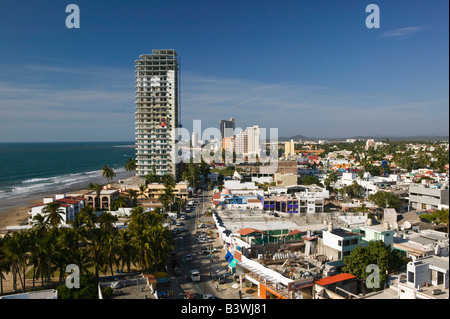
x=208 y=296
x=188 y=257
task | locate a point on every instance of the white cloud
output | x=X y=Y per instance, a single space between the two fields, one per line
x=403 y=32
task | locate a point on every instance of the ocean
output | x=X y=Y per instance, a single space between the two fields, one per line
x=40 y=168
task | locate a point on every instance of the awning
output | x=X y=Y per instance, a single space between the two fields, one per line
x=162 y=280
x=228 y=256
x=233 y=263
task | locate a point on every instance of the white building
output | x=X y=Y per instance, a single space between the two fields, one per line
x=157 y=112
x=426 y=198
x=253 y=136
x=426 y=278
x=370 y=183
x=69 y=206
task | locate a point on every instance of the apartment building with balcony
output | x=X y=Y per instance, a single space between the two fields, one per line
x=157 y=112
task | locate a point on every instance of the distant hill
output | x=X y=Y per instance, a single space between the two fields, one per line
x=376 y=137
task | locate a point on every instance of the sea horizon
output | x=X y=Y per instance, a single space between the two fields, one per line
x=30 y=168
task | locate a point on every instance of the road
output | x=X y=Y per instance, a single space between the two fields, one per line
x=208 y=265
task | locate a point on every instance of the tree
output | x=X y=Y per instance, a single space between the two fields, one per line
x=88 y=288
x=167 y=198
x=385 y=199
x=142 y=190
x=133 y=195
x=308 y=180
x=375 y=253
x=120 y=202
x=108 y=173
x=53 y=212
x=130 y=166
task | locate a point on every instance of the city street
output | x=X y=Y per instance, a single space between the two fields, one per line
x=210 y=265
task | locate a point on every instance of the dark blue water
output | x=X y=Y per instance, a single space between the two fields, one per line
x=27 y=168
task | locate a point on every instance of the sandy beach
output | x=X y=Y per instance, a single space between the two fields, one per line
x=14 y=211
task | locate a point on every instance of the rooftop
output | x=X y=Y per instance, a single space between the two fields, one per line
x=334 y=279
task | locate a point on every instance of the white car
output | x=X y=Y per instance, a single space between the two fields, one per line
x=208 y=296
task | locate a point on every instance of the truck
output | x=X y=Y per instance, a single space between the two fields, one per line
x=195 y=275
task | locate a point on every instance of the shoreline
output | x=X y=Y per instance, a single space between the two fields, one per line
x=14 y=211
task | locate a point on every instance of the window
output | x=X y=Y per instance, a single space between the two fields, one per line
x=340 y=243
x=410 y=276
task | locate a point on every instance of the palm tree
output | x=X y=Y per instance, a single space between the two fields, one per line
x=167 y=199
x=96 y=250
x=4 y=265
x=40 y=225
x=53 y=212
x=108 y=173
x=14 y=256
x=106 y=221
x=142 y=189
x=130 y=166
x=125 y=250
x=133 y=195
x=120 y=202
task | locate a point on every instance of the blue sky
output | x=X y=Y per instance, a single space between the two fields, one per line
x=305 y=67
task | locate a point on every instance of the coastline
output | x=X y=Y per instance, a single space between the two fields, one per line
x=14 y=211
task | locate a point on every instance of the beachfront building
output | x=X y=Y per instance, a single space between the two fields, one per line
x=157 y=113
x=69 y=206
x=102 y=202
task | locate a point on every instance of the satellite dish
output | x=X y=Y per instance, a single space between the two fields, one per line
x=407 y=225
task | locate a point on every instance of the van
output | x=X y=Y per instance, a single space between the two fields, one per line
x=195 y=275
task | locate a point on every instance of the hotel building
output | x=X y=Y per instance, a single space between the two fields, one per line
x=157 y=112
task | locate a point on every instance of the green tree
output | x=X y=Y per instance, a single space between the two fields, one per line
x=88 y=288
x=385 y=199
x=132 y=195
x=375 y=253
x=309 y=180
x=142 y=190
x=53 y=213
x=108 y=173
x=130 y=166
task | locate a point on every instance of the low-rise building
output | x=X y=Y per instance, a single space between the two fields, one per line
x=102 y=202
x=423 y=197
x=70 y=205
x=426 y=278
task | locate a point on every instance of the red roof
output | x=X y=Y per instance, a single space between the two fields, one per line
x=334 y=279
x=246 y=231
x=295 y=231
